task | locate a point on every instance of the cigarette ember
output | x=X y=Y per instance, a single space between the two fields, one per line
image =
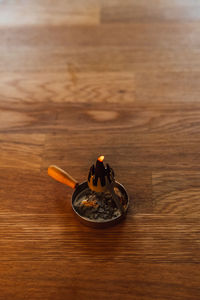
x=89 y=203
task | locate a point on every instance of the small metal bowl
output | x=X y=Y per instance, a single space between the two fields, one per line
x=95 y=223
x=63 y=177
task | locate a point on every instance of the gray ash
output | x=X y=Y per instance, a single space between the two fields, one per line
x=98 y=206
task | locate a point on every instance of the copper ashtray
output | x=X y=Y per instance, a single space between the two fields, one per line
x=98 y=202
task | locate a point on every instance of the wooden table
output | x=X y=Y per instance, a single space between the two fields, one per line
x=82 y=78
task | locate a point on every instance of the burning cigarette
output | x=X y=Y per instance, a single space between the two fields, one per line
x=101 y=180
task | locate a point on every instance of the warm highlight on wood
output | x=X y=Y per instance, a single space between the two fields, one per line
x=84 y=78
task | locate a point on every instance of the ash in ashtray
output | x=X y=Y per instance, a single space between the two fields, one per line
x=98 y=206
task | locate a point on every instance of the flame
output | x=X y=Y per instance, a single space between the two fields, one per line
x=100 y=158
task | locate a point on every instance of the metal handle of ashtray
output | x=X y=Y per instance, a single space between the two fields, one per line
x=62 y=176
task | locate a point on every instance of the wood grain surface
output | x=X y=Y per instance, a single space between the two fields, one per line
x=88 y=77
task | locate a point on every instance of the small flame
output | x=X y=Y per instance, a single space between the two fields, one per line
x=100 y=158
